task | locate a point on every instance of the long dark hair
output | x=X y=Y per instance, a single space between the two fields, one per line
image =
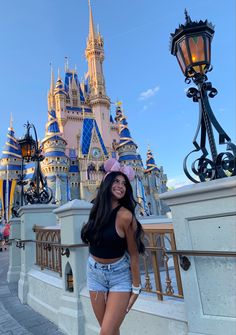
x=102 y=208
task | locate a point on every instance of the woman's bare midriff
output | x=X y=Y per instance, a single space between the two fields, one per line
x=105 y=260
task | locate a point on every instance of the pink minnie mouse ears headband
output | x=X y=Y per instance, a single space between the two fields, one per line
x=112 y=165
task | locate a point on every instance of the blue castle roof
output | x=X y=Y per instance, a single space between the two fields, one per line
x=11 y=148
x=74 y=168
x=68 y=79
x=125 y=136
x=87 y=130
x=151 y=165
x=74 y=163
x=52 y=127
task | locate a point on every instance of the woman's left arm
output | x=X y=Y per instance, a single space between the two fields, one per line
x=130 y=229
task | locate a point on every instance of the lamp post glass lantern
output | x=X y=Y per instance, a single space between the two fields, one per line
x=191 y=44
x=38 y=191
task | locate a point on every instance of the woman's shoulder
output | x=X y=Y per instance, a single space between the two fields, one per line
x=125 y=214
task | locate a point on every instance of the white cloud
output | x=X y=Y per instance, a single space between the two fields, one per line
x=178 y=181
x=149 y=93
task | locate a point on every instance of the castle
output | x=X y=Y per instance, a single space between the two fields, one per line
x=81 y=134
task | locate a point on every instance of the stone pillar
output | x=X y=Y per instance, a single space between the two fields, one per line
x=13 y=273
x=204 y=218
x=72 y=217
x=40 y=215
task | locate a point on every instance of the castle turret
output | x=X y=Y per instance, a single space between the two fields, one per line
x=156 y=184
x=51 y=97
x=55 y=165
x=60 y=103
x=98 y=98
x=127 y=148
x=10 y=171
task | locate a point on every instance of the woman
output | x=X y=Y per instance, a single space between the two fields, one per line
x=2 y=242
x=114 y=238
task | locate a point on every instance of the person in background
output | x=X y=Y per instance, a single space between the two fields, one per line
x=114 y=237
x=6 y=232
x=2 y=242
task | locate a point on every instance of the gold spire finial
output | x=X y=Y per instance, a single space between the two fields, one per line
x=119 y=103
x=66 y=64
x=58 y=74
x=52 y=79
x=11 y=122
x=92 y=33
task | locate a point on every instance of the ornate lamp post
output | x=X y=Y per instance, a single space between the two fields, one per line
x=38 y=192
x=191 y=44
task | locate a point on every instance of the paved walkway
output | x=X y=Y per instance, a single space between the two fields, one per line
x=15 y=318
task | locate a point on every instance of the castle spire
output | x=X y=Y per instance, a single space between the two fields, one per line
x=11 y=122
x=52 y=80
x=52 y=127
x=125 y=136
x=92 y=31
x=127 y=148
x=66 y=64
x=11 y=148
x=58 y=75
x=98 y=99
x=151 y=165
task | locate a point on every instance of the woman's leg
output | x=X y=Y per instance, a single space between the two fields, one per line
x=115 y=311
x=98 y=300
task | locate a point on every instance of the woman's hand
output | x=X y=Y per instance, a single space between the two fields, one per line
x=132 y=300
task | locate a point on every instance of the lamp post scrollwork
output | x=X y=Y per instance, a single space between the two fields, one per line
x=191 y=44
x=38 y=192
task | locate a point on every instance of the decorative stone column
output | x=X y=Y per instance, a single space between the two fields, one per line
x=72 y=217
x=204 y=218
x=30 y=215
x=13 y=273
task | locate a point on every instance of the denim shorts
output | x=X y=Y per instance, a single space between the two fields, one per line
x=112 y=277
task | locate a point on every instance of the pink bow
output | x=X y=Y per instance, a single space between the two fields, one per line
x=113 y=165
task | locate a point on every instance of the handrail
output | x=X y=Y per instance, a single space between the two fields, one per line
x=217 y=253
x=202 y=253
x=80 y=245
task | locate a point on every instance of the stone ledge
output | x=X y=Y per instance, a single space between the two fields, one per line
x=48 y=278
x=213 y=189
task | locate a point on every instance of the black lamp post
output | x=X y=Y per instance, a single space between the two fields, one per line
x=38 y=192
x=191 y=44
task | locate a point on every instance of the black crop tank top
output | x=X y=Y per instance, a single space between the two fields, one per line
x=111 y=244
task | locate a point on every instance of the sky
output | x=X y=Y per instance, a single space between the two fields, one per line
x=139 y=69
